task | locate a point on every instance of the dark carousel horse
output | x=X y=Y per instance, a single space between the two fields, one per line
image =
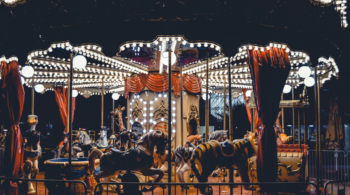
x=139 y=159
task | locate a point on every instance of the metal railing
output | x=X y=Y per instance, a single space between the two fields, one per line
x=334 y=164
x=215 y=188
x=337 y=187
x=46 y=186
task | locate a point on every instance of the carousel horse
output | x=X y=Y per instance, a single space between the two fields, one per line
x=213 y=154
x=139 y=159
x=84 y=143
x=219 y=136
x=63 y=148
x=182 y=158
x=32 y=152
x=124 y=139
x=102 y=143
x=194 y=140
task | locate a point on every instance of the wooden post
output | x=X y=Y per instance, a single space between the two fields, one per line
x=207 y=104
x=169 y=119
x=252 y=124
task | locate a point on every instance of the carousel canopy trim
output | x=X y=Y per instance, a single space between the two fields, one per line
x=159 y=83
x=339 y=6
x=151 y=53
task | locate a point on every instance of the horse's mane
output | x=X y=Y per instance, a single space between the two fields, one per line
x=193 y=137
x=148 y=137
x=215 y=134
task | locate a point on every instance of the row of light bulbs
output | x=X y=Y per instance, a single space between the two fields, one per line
x=83 y=50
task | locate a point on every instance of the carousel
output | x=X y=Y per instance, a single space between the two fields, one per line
x=159 y=139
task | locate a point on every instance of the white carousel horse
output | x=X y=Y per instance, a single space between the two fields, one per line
x=103 y=141
x=84 y=143
x=182 y=157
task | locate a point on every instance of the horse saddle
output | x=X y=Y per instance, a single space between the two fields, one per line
x=127 y=157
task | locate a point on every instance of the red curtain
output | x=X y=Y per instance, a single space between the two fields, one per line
x=12 y=94
x=61 y=95
x=257 y=121
x=269 y=70
x=159 y=83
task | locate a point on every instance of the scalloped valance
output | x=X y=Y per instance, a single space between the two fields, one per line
x=159 y=83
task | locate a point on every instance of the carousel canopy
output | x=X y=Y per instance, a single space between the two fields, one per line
x=52 y=66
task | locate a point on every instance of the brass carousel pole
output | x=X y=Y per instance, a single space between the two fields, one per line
x=252 y=124
x=69 y=121
x=305 y=129
x=224 y=126
x=230 y=126
x=299 y=129
x=207 y=104
x=316 y=127
x=33 y=94
x=169 y=117
x=282 y=109
x=102 y=102
x=293 y=113
x=319 y=128
x=113 y=117
x=68 y=100
x=181 y=104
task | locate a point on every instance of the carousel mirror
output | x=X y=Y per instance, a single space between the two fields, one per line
x=193 y=121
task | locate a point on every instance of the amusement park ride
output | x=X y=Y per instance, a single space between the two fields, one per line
x=166 y=113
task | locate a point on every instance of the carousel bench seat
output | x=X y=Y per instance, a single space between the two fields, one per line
x=292 y=166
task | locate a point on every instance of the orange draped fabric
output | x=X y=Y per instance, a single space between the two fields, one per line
x=269 y=70
x=61 y=95
x=257 y=121
x=12 y=97
x=159 y=83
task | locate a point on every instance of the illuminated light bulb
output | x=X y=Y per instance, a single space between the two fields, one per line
x=115 y=96
x=144 y=131
x=79 y=62
x=39 y=88
x=173 y=131
x=304 y=71
x=27 y=71
x=248 y=93
x=22 y=80
x=165 y=58
x=74 y=93
x=309 y=81
x=287 y=89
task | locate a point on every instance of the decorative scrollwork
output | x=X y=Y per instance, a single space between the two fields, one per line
x=136 y=111
x=161 y=111
x=289 y=168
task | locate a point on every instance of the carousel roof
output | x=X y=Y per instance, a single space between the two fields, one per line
x=52 y=66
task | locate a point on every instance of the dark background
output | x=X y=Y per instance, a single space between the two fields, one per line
x=301 y=24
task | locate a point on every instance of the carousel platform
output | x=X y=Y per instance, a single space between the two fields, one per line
x=190 y=191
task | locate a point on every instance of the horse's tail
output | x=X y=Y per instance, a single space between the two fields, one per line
x=93 y=155
x=195 y=158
